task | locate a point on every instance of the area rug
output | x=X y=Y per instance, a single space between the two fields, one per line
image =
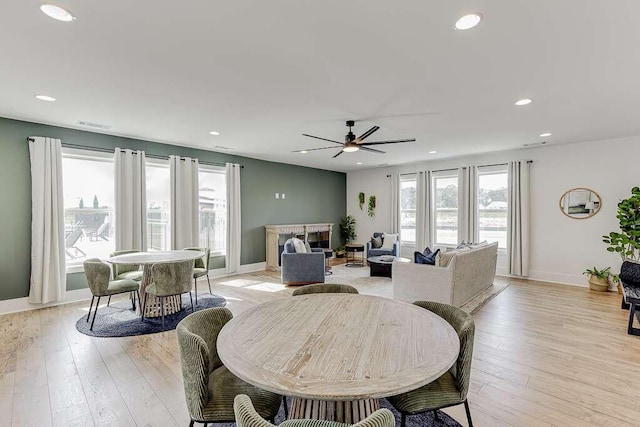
x=119 y=320
x=421 y=420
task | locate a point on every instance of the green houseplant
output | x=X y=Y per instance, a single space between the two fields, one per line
x=348 y=228
x=598 y=278
x=626 y=243
x=361 y=199
x=372 y=206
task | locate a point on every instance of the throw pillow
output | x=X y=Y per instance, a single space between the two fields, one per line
x=388 y=240
x=428 y=259
x=427 y=251
x=376 y=242
x=299 y=245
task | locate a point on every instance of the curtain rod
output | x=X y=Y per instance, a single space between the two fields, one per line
x=455 y=169
x=151 y=156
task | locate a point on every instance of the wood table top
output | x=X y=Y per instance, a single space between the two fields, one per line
x=338 y=346
x=155 y=257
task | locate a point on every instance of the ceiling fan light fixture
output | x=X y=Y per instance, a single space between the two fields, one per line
x=303 y=152
x=350 y=148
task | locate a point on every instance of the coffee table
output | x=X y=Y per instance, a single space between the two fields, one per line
x=337 y=354
x=381 y=265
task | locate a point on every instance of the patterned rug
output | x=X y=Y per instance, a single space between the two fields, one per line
x=119 y=320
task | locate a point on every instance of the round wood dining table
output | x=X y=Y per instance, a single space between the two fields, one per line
x=337 y=354
x=147 y=259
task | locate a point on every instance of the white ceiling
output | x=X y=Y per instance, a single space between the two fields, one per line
x=264 y=72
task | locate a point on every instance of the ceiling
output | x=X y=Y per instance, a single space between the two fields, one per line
x=264 y=72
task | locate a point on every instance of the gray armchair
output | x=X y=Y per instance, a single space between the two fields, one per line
x=302 y=268
x=377 y=252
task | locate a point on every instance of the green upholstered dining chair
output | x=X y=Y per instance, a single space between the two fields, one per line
x=452 y=387
x=98 y=274
x=122 y=271
x=209 y=387
x=169 y=279
x=325 y=288
x=201 y=268
x=246 y=416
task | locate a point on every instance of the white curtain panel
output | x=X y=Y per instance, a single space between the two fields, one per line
x=234 y=234
x=131 y=200
x=518 y=219
x=185 y=219
x=395 y=203
x=48 y=272
x=468 y=204
x=423 y=211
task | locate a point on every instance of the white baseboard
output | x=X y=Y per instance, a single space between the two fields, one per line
x=23 y=304
x=556 y=278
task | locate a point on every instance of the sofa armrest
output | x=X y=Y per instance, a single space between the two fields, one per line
x=396 y=248
x=419 y=282
x=303 y=268
x=367 y=248
x=317 y=250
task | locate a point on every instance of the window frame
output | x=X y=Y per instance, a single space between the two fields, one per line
x=410 y=177
x=157 y=163
x=434 y=177
x=212 y=169
x=492 y=170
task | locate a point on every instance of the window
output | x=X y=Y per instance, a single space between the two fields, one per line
x=213 y=208
x=445 y=202
x=408 y=208
x=158 y=205
x=492 y=205
x=88 y=183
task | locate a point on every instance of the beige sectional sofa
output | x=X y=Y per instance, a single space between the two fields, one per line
x=459 y=276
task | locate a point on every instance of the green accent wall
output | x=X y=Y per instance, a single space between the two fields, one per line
x=312 y=195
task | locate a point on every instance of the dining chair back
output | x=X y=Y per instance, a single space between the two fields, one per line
x=169 y=279
x=246 y=416
x=452 y=387
x=325 y=288
x=201 y=267
x=126 y=271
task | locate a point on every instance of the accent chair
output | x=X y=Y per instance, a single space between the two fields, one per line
x=325 y=288
x=169 y=279
x=123 y=271
x=371 y=251
x=299 y=268
x=452 y=387
x=98 y=274
x=209 y=387
x=246 y=416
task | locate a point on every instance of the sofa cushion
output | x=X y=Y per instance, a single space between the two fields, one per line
x=376 y=242
x=420 y=258
x=380 y=251
x=288 y=247
x=388 y=240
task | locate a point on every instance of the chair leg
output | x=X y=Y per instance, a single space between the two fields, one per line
x=403 y=420
x=286 y=410
x=632 y=313
x=195 y=287
x=209 y=282
x=132 y=296
x=90 y=305
x=144 y=305
x=191 y=298
x=139 y=300
x=466 y=408
x=191 y=423
x=109 y=301
x=435 y=415
x=162 y=309
x=94 y=314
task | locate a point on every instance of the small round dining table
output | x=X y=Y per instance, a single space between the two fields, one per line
x=147 y=259
x=337 y=354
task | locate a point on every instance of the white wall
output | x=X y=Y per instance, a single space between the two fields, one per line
x=561 y=247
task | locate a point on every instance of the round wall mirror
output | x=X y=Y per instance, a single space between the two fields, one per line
x=580 y=203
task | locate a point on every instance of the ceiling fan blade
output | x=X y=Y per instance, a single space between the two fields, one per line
x=395 y=141
x=339 y=152
x=367 y=133
x=372 y=150
x=323 y=139
x=312 y=149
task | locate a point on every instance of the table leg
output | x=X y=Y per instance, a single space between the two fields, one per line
x=347 y=411
x=172 y=304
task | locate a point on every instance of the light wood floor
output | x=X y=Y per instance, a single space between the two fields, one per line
x=544 y=355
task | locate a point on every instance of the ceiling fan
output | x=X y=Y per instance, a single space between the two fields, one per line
x=351 y=143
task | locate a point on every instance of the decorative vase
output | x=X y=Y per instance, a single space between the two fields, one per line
x=598 y=284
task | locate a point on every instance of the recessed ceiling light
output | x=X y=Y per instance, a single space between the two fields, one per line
x=521 y=102
x=432 y=152
x=543 y=135
x=57 y=12
x=213 y=132
x=45 y=98
x=303 y=152
x=358 y=163
x=468 y=21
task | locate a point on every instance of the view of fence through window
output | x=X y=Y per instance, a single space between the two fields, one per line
x=158 y=206
x=408 y=209
x=492 y=207
x=446 y=210
x=88 y=185
x=213 y=209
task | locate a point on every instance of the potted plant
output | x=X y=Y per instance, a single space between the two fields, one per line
x=348 y=228
x=598 y=279
x=340 y=251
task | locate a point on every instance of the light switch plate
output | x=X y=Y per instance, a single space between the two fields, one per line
x=277 y=195
x=283 y=195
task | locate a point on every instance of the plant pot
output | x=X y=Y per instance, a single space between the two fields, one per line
x=340 y=254
x=598 y=284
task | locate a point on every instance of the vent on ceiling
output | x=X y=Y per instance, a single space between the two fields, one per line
x=93 y=125
x=220 y=147
x=533 y=144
